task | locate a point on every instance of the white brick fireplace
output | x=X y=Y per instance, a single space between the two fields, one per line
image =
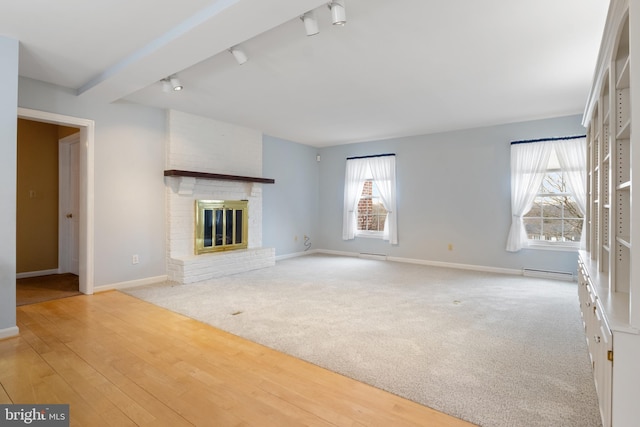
x=204 y=145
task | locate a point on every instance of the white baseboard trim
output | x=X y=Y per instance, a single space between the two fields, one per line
x=9 y=332
x=27 y=274
x=131 y=283
x=458 y=266
x=548 y=274
x=340 y=253
x=377 y=257
x=296 y=254
x=482 y=268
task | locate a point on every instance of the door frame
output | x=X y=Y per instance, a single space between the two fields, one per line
x=86 y=194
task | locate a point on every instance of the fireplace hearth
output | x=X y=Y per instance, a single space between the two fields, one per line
x=227 y=226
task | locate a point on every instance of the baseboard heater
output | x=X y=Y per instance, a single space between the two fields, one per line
x=547 y=274
x=379 y=257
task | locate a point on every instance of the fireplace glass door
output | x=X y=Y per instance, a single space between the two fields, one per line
x=221 y=225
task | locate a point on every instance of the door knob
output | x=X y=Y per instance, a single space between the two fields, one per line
x=69 y=215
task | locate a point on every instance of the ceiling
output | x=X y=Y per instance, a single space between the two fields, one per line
x=397 y=68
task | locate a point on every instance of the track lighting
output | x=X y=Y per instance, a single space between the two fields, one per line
x=171 y=83
x=338 y=15
x=239 y=55
x=175 y=83
x=310 y=23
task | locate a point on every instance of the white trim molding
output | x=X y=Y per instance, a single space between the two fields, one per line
x=9 y=332
x=87 y=135
x=296 y=254
x=486 y=269
x=131 y=283
x=458 y=266
x=28 y=274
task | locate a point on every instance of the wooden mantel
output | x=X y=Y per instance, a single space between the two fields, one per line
x=223 y=177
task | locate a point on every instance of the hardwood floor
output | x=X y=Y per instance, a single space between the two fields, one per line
x=32 y=290
x=119 y=361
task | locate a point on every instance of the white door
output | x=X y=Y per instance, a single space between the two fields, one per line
x=69 y=204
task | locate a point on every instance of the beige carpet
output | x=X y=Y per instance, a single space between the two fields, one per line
x=496 y=350
x=32 y=290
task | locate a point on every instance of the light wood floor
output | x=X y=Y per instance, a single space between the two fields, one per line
x=119 y=361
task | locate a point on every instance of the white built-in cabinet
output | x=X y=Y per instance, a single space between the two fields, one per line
x=609 y=270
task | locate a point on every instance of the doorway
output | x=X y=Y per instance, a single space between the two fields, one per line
x=47 y=185
x=85 y=211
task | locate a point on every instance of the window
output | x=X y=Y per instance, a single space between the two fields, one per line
x=372 y=214
x=370 y=198
x=548 y=192
x=555 y=217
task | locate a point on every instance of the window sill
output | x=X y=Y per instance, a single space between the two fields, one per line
x=553 y=247
x=369 y=235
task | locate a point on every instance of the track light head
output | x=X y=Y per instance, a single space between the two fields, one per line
x=239 y=55
x=175 y=83
x=310 y=23
x=171 y=83
x=338 y=14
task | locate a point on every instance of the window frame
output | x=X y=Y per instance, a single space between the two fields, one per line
x=372 y=234
x=546 y=244
x=383 y=170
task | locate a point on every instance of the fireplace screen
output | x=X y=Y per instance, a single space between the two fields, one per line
x=221 y=225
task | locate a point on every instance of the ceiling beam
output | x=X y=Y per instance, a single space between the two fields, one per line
x=221 y=25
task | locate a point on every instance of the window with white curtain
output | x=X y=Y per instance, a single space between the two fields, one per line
x=555 y=217
x=548 y=193
x=370 y=198
x=372 y=215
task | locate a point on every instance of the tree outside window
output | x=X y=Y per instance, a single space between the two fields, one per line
x=555 y=216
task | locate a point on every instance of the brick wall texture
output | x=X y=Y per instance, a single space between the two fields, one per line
x=204 y=145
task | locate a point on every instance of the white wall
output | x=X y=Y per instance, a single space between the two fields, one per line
x=8 y=159
x=129 y=156
x=290 y=206
x=453 y=188
x=205 y=145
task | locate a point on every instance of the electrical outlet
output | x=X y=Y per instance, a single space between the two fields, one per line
x=135 y=259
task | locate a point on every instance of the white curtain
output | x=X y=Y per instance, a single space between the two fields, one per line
x=354 y=178
x=572 y=155
x=383 y=171
x=528 y=167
